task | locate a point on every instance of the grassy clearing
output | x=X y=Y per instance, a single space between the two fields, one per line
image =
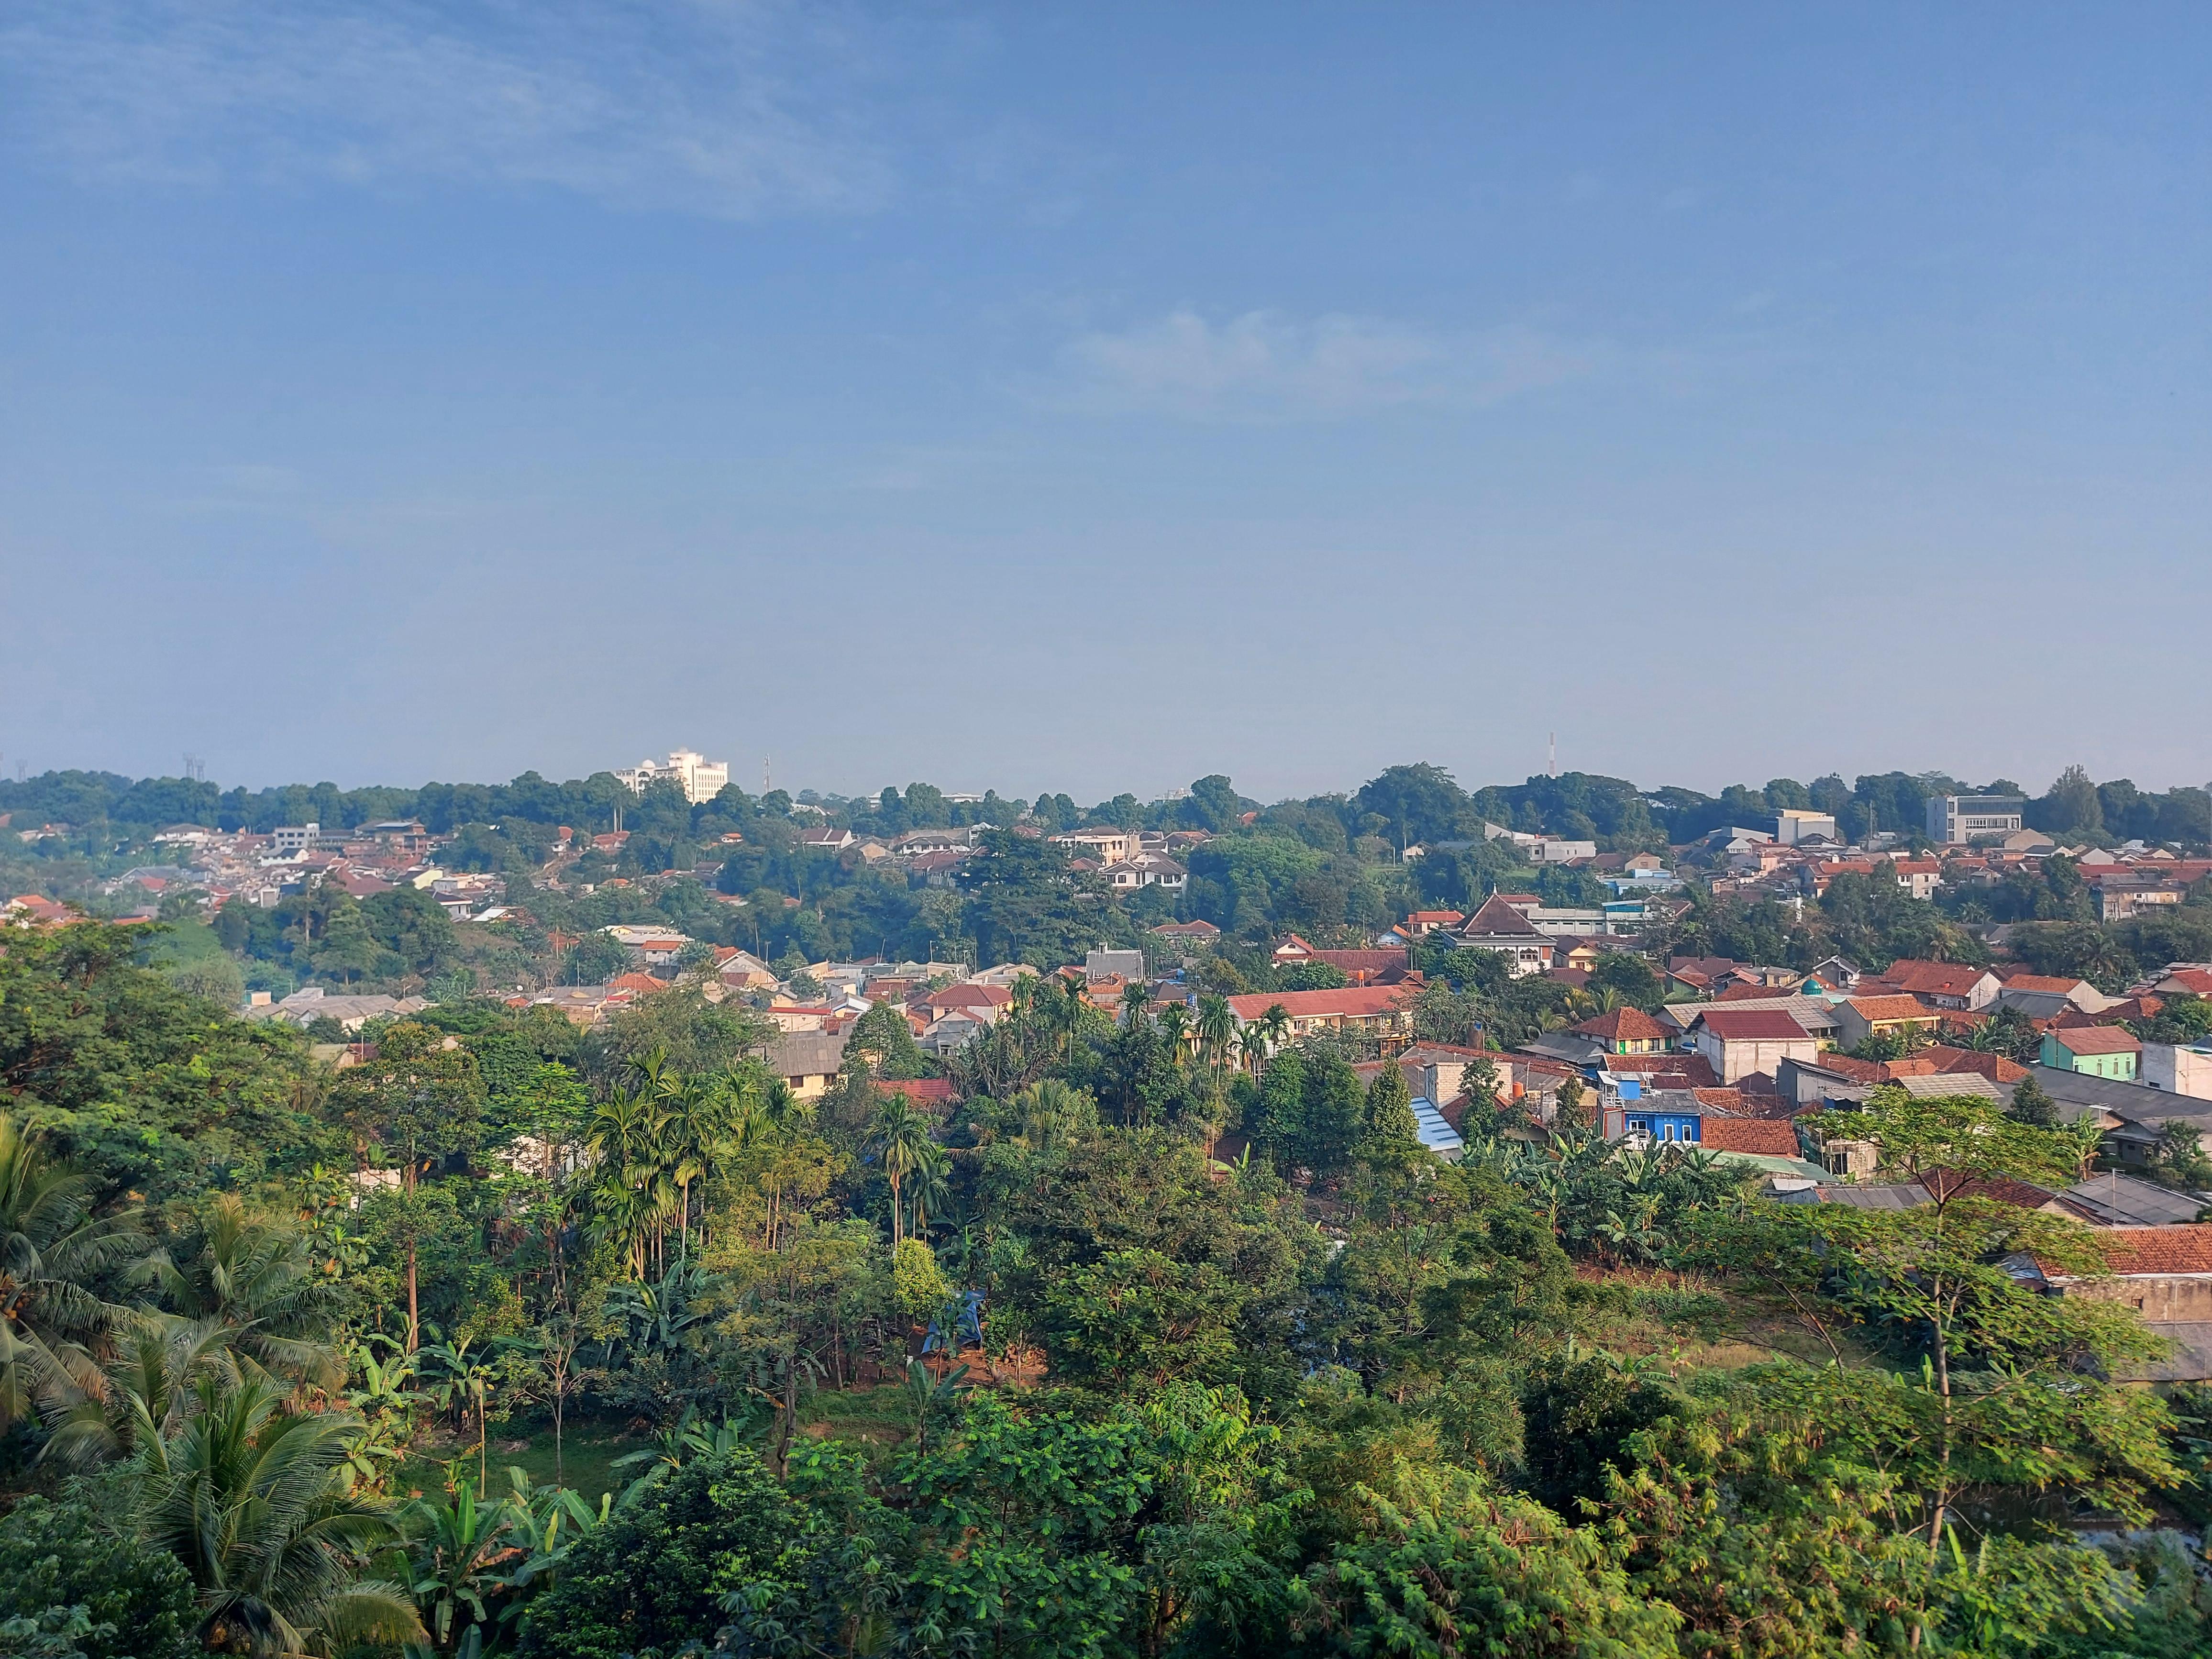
x=588 y=1454
x=1693 y=1326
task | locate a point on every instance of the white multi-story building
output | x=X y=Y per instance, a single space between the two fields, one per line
x=699 y=778
x=1795 y=824
x=1955 y=819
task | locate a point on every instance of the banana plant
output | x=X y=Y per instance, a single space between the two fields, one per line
x=386 y=1385
x=929 y=1397
x=689 y=1437
x=466 y=1383
x=555 y=1520
x=372 y=1450
x=461 y=1549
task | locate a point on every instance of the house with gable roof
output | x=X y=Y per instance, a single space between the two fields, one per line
x=1500 y=926
x=2107 y=1051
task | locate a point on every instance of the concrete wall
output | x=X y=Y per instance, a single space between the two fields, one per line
x=2163 y=1297
x=2178 y=1071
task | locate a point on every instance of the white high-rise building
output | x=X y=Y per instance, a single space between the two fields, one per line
x=699 y=778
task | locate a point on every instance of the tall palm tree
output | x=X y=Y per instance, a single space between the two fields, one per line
x=620 y=1140
x=1136 y=1000
x=52 y=1250
x=901 y=1136
x=1049 y=1111
x=248 y=1497
x=1174 y=1030
x=931 y=1186
x=1252 y=1047
x=1068 y=1012
x=1217 y=1024
x=1276 y=1023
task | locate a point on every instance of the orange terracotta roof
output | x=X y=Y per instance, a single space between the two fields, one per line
x=1355 y=1002
x=2040 y=983
x=1751 y=1026
x=1950 y=1183
x=2097 y=1040
x=1760 y=1137
x=1623 y=1025
x=1891 y=1007
x=1858 y=1071
x=1932 y=978
x=2179 y=1249
x=930 y=1089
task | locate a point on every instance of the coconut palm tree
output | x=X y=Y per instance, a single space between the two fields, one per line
x=930 y=1187
x=1252 y=1047
x=1174 y=1030
x=902 y=1133
x=52 y=1250
x=1276 y=1023
x=1136 y=1000
x=254 y=1280
x=250 y=1499
x=143 y=1393
x=620 y=1141
x=1049 y=1111
x=1217 y=1024
x=1068 y=1010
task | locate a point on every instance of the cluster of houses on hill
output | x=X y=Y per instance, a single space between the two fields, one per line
x=261 y=869
x=1974 y=841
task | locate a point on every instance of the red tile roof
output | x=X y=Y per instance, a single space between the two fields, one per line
x=1872 y=1009
x=969 y=996
x=2040 y=983
x=1354 y=1002
x=1949 y=1183
x=643 y=984
x=1752 y=1025
x=1951 y=979
x=2097 y=1040
x=1704 y=968
x=1996 y=1067
x=1365 y=966
x=1858 y=1071
x=1760 y=1136
x=927 y=1091
x=1623 y=1025
x=2180 y=1249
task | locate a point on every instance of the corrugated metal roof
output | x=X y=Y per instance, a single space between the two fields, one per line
x=1908 y=1196
x=2121 y=1200
x=1439 y=1136
x=1934 y=1086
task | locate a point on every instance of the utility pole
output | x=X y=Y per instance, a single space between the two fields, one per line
x=1552 y=755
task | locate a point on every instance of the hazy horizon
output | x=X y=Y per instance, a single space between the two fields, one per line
x=1044 y=399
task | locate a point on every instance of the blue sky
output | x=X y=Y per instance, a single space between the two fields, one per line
x=1090 y=398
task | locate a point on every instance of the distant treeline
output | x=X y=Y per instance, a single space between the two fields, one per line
x=1405 y=805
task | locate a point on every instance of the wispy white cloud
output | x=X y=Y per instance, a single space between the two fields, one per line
x=722 y=107
x=1264 y=365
